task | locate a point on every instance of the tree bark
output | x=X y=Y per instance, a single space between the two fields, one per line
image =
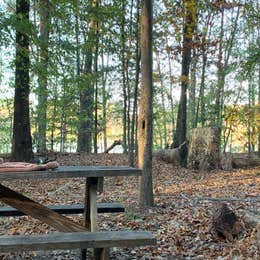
x=87 y=91
x=22 y=140
x=123 y=70
x=43 y=73
x=132 y=145
x=145 y=119
x=189 y=23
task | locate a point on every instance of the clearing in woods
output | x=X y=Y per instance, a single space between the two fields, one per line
x=181 y=218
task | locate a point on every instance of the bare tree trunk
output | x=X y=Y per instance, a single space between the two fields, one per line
x=132 y=145
x=220 y=73
x=145 y=119
x=22 y=140
x=223 y=64
x=96 y=92
x=163 y=100
x=170 y=95
x=104 y=101
x=189 y=23
x=192 y=100
x=123 y=65
x=259 y=111
x=53 y=116
x=201 y=101
x=87 y=92
x=43 y=73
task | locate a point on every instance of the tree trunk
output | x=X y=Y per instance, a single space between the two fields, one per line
x=163 y=101
x=104 y=100
x=222 y=66
x=87 y=91
x=189 y=23
x=96 y=93
x=132 y=145
x=192 y=92
x=43 y=74
x=170 y=95
x=259 y=109
x=22 y=140
x=145 y=119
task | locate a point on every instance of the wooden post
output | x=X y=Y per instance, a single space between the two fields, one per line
x=90 y=215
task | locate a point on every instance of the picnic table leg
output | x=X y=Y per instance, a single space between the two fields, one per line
x=90 y=214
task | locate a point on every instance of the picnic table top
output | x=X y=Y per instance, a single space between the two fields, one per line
x=73 y=172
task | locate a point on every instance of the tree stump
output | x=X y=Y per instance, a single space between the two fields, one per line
x=204 y=149
x=226 y=223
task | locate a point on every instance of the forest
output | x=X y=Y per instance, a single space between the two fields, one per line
x=168 y=86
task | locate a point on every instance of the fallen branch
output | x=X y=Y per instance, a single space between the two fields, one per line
x=115 y=143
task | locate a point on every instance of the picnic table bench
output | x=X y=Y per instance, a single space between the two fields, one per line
x=71 y=235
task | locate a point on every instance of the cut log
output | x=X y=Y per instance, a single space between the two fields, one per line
x=204 y=149
x=228 y=161
x=245 y=162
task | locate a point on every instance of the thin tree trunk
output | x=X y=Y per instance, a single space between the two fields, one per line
x=192 y=101
x=104 y=100
x=201 y=100
x=87 y=92
x=222 y=66
x=22 y=140
x=170 y=95
x=132 y=145
x=96 y=93
x=128 y=60
x=145 y=119
x=43 y=73
x=123 y=65
x=258 y=109
x=189 y=23
x=163 y=101
x=53 y=116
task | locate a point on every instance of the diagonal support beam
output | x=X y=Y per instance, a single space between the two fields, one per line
x=38 y=211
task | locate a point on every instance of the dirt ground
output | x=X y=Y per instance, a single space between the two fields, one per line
x=181 y=218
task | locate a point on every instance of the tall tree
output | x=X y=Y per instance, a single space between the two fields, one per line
x=224 y=54
x=87 y=91
x=145 y=119
x=188 y=29
x=123 y=64
x=22 y=141
x=43 y=73
x=132 y=144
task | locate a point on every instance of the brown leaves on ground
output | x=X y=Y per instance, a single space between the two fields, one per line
x=181 y=218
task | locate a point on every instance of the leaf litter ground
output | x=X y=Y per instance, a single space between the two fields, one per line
x=180 y=219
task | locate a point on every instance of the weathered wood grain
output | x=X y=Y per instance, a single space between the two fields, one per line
x=74 y=172
x=102 y=239
x=38 y=211
x=111 y=207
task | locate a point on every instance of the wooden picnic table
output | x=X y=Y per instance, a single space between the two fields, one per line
x=49 y=216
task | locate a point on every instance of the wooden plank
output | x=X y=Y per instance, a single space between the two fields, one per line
x=38 y=211
x=111 y=207
x=54 y=241
x=74 y=172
